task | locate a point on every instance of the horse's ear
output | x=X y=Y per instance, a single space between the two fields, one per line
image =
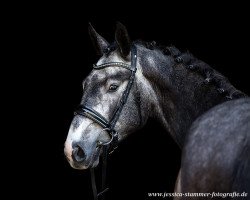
x=122 y=39
x=100 y=44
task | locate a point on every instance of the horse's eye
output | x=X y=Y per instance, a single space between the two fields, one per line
x=113 y=87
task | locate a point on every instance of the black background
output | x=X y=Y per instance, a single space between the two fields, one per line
x=59 y=55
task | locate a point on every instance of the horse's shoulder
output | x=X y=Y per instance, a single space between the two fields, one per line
x=223 y=130
x=227 y=121
x=219 y=118
x=215 y=143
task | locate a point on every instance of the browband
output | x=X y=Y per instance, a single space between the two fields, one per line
x=113 y=64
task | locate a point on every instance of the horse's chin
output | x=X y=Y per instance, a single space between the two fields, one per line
x=84 y=167
x=79 y=167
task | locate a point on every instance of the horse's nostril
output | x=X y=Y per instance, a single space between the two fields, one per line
x=78 y=154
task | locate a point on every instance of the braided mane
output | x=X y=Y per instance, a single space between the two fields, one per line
x=211 y=76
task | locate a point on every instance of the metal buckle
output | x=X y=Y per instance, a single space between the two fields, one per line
x=111 y=135
x=114 y=146
x=112 y=151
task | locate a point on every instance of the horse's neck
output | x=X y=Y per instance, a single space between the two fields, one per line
x=178 y=95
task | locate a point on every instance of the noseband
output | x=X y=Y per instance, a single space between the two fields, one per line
x=109 y=126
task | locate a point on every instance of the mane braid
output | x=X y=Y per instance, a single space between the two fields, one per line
x=211 y=76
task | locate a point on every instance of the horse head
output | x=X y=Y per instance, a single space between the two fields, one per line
x=111 y=98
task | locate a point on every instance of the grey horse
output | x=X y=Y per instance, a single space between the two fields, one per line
x=204 y=113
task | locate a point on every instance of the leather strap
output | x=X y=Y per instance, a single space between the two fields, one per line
x=93 y=115
x=104 y=188
x=93 y=183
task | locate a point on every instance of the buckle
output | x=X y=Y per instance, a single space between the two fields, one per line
x=111 y=135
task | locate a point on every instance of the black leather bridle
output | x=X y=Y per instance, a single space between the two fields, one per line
x=109 y=126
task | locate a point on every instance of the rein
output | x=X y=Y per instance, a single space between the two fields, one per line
x=109 y=126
